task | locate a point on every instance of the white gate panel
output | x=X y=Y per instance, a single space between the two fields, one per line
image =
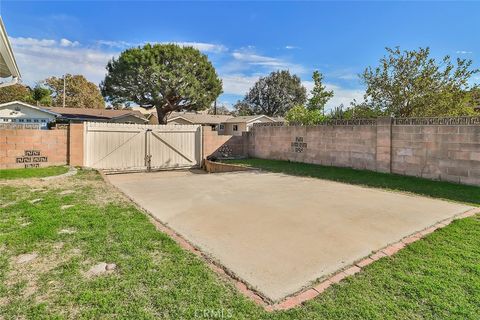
x=175 y=146
x=138 y=147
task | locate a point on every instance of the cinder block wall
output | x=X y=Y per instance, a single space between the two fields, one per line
x=342 y=146
x=441 y=152
x=222 y=146
x=32 y=148
x=21 y=148
x=445 y=152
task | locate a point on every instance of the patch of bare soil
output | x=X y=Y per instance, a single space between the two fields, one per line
x=28 y=268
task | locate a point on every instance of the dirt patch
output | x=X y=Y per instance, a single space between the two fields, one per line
x=28 y=268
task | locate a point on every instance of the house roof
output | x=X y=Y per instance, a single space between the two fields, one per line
x=246 y=119
x=198 y=118
x=29 y=106
x=8 y=65
x=94 y=114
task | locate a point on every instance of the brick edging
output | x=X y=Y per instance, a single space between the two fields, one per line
x=313 y=291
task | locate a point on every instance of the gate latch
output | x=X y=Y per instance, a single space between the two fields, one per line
x=148 y=161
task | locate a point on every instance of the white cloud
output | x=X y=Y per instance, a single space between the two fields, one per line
x=202 y=46
x=42 y=58
x=464 y=52
x=246 y=59
x=238 y=84
x=291 y=47
x=115 y=44
x=67 y=43
x=32 y=42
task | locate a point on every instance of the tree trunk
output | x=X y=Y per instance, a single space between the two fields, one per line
x=161 y=115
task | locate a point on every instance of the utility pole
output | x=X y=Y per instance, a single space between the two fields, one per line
x=215 y=107
x=64 y=91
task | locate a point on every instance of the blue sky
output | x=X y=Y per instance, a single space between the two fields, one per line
x=244 y=40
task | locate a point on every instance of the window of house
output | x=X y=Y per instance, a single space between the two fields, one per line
x=28 y=120
x=43 y=120
x=221 y=127
x=235 y=127
x=35 y=120
x=21 y=120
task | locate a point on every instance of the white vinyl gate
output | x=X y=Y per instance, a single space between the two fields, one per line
x=118 y=146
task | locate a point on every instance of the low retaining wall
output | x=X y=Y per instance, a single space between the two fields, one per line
x=434 y=148
x=29 y=148
x=215 y=167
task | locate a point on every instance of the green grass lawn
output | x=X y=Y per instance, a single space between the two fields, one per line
x=8 y=174
x=420 y=186
x=434 y=278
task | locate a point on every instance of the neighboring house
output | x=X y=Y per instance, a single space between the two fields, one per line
x=197 y=118
x=152 y=118
x=21 y=113
x=235 y=126
x=77 y=115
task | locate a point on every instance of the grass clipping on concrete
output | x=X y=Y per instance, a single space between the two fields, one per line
x=78 y=222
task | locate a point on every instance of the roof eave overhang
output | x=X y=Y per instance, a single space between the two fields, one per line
x=8 y=56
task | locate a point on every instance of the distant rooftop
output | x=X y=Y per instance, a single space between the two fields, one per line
x=199 y=118
x=246 y=118
x=87 y=113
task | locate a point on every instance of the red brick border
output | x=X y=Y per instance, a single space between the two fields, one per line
x=312 y=291
x=388 y=251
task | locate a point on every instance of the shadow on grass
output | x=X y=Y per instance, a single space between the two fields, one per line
x=436 y=189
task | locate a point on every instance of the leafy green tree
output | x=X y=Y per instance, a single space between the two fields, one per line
x=275 y=94
x=168 y=77
x=319 y=94
x=41 y=96
x=411 y=83
x=305 y=116
x=16 y=92
x=220 y=110
x=242 y=109
x=337 y=112
x=80 y=93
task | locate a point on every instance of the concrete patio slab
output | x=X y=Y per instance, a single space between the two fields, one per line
x=279 y=233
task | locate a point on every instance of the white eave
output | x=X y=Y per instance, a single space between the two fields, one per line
x=259 y=117
x=6 y=104
x=8 y=64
